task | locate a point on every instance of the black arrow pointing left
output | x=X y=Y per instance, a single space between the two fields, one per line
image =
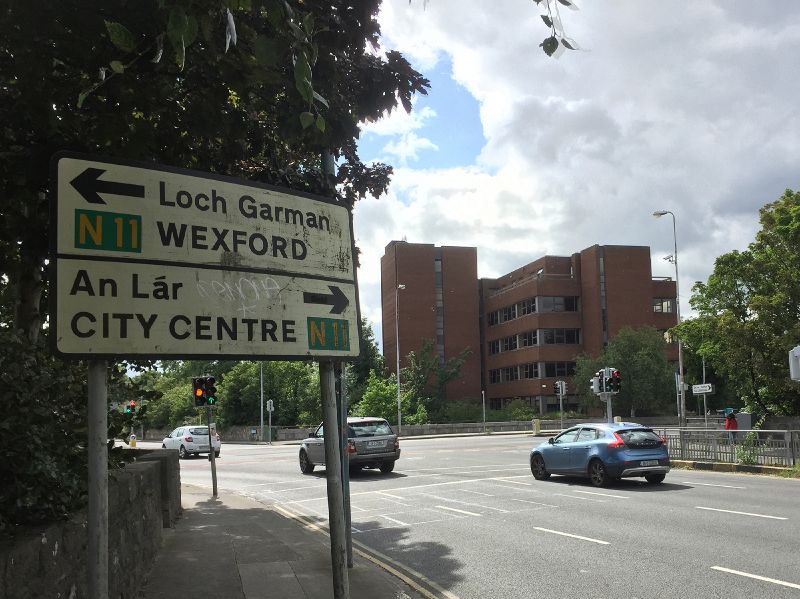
x=89 y=185
x=337 y=299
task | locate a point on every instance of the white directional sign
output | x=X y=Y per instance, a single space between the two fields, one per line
x=703 y=388
x=156 y=262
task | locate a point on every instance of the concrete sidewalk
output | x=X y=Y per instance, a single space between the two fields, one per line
x=235 y=547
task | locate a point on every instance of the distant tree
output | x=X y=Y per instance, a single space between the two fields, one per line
x=369 y=361
x=424 y=379
x=379 y=399
x=749 y=313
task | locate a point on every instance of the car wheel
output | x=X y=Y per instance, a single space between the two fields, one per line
x=598 y=474
x=538 y=469
x=655 y=478
x=387 y=466
x=216 y=454
x=163 y=446
x=306 y=467
x=182 y=453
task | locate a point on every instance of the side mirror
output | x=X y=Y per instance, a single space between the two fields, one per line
x=551 y=440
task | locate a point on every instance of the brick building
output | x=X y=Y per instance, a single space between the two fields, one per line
x=530 y=324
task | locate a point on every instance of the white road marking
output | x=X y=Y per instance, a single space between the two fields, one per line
x=577 y=497
x=390 y=495
x=711 y=509
x=689 y=482
x=516 y=482
x=354 y=529
x=603 y=494
x=533 y=502
x=452 y=509
x=497 y=509
x=566 y=534
x=791 y=585
x=400 y=522
x=477 y=493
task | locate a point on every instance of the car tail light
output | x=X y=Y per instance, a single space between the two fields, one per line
x=617 y=442
x=397 y=443
x=188 y=438
x=351 y=446
x=664 y=439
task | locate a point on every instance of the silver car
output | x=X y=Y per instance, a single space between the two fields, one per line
x=371 y=443
x=191 y=440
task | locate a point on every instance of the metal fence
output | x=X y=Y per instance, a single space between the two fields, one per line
x=757 y=447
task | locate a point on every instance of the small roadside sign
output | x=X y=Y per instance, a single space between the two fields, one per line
x=703 y=388
x=159 y=262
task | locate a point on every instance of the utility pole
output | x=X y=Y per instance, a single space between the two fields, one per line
x=97 y=524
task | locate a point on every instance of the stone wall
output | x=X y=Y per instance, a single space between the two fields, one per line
x=50 y=561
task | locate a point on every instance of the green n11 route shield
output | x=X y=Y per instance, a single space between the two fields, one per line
x=159 y=262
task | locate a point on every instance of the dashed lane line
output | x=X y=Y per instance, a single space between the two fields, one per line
x=691 y=482
x=602 y=494
x=791 y=585
x=452 y=509
x=567 y=534
x=712 y=509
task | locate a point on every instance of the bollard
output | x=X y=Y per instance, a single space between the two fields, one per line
x=133 y=441
x=537 y=426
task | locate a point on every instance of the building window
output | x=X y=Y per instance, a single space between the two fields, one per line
x=560 y=336
x=494 y=376
x=494 y=318
x=557 y=304
x=528 y=339
x=509 y=312
x=530 y=371
x=495 y=403
x=494 y=347
x=510 y=373
x=663 y=304
x=552 y=369
x=510 y=343
x=527 y=306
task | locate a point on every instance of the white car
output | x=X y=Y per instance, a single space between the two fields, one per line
x=191 y=440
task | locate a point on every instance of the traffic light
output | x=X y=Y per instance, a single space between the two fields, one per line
x=211 y=391
x=601 y=381
x=594 y=384
x=130 y=408
x=562 y=387
x=616 y=381
x=199 y=391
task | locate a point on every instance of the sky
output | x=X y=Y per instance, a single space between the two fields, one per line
x=692 y=107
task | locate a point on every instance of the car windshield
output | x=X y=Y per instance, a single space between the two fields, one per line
x=199 y=432
x=372 y=428
x=639 y=437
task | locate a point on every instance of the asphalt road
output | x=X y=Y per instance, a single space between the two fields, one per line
x=466 y=514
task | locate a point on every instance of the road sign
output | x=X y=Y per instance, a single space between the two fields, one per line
x=153 y=261
x=704 y=388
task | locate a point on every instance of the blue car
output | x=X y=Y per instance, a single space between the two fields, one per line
x=604 y=453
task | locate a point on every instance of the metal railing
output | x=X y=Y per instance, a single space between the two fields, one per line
x=756 y=447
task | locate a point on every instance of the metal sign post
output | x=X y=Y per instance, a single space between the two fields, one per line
x=97 y=523
x=211 y=454
x=270 y=409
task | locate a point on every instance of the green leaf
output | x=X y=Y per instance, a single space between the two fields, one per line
x=117 y=66
x=320 y=99
x=120 y=36
x=190 y=34
x=266 y=51
x=320 y=123
x=547 y=20
x=308 y=23
x=82 y=98
x=302 y=76
x=566 y=44
x=549 y=45
x=306 y=119
x=177 y=27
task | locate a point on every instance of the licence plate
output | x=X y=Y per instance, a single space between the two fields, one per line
x=375 y=443
x=649 y=462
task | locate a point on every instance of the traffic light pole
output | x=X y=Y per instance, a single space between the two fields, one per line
x=97 y=525
x=609 y=412
x=211 y=455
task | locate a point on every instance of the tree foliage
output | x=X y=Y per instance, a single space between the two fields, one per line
x=425 y=378
x=749 y=312
x=648 y=385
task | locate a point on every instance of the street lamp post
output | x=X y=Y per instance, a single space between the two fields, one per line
x=397 y=339
x=682 y=411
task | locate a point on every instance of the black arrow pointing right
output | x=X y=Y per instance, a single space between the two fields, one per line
x=89 y=185
x=337 y=299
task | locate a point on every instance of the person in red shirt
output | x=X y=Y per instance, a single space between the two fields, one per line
x=731 y=426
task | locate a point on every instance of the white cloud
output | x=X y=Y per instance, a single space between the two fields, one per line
x=687 y=106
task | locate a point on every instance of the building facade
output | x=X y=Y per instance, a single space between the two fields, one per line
x=430 y=292
x=530 y=324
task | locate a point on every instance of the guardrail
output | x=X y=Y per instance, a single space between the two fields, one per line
x=756 y=447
